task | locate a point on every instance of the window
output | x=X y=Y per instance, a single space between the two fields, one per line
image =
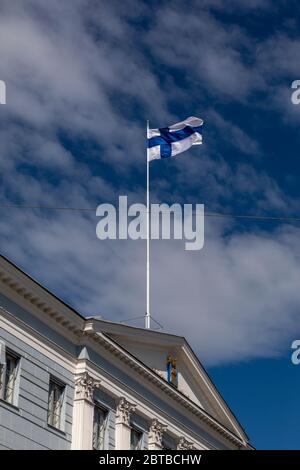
x=10 y=378
x=168 y=444
x=55 y=403
x=136 y=439
x=99 y=429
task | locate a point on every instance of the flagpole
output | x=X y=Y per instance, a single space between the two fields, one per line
x=148 y=315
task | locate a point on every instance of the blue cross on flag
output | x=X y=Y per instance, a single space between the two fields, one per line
x=169 y=141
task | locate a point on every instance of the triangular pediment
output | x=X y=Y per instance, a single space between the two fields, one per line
x=153 y=348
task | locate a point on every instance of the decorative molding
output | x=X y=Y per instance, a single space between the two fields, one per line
x=211 y=395
x=37 y=341
x=85 y=385
x=156 y=432
x=184 y=444
x=39 y=300
x=159 y=372
x=124 y=410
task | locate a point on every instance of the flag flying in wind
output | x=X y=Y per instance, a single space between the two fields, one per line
x=169 y=141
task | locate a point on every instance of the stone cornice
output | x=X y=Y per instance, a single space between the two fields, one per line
x=210 y=391
x=23 y=291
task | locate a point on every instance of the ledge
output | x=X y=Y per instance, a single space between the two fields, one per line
x=10 y=407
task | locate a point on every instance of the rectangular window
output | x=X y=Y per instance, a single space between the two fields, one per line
x=10 y=378
x=99 y=429
x=168 y=443
x=136 y=439
x=55 y=404
x=168 y=446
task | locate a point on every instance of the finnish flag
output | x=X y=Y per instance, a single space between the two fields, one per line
x=169 y=141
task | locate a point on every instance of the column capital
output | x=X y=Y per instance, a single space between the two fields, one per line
x=85 y=385
x=124 y=409
x=184 y=444
x=156 y=432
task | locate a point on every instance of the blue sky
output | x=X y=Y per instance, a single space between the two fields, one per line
x=264 y=395
x=82 y=79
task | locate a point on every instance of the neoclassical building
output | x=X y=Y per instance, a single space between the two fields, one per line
x=71 y=382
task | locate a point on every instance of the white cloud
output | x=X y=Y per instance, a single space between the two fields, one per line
x=212 y=54
x=237 y=299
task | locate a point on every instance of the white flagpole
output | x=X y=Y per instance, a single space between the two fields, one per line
x=147 y=315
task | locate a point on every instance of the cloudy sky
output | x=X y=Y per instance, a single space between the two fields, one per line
x=83 y=76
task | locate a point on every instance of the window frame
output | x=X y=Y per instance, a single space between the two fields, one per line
x=106 y=413
x=61 y=417
x=168 y=443
x=13 y=401
x=141 y=432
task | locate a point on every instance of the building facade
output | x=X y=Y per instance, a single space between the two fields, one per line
x=70 y=382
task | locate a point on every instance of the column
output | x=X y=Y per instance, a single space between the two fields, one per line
x=123 y=430
x=83 y=412
x=156 y=432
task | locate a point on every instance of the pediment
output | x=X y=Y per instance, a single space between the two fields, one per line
x=154 y=348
